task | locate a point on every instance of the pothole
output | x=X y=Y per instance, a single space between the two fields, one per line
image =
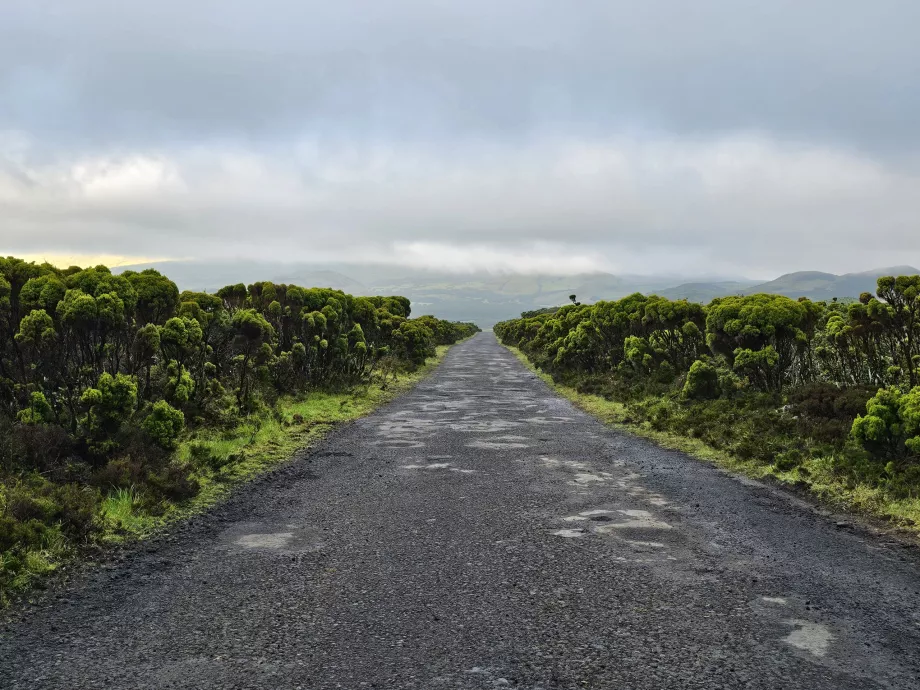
x=638 y=519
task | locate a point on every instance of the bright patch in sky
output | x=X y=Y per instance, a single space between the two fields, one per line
x=719 y=136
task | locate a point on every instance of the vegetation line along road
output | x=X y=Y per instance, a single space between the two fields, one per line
x=125 y=404
x=821 y=395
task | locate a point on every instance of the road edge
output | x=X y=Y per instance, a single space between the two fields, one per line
x=871 y=525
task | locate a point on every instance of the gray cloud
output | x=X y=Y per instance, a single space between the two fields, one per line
x=608 y=134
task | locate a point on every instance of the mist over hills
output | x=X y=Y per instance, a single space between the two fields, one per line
x=486 y=298
x=812 y=284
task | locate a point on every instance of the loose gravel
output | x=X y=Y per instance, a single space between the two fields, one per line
x=480 y=532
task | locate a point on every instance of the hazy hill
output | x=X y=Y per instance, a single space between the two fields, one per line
x=486 y=298
x=705 y=292
x=816 y=285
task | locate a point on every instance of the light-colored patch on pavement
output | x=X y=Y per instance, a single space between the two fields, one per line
x=638 y=519
x=650 y=544
x=587 y=515
x=570 y=533
x=546 y=420
x=438 y=466
x=496 y=445
x=774 y=600
x=602 y=523
x=484 y=426
x=589 y=478
x=272 y=540
x=813 y=638
x=399 y=444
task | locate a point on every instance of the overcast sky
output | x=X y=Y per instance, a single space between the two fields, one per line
x=715 y=136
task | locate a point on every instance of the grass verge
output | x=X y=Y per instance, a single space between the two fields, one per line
x=222 y=461
x=817 y=476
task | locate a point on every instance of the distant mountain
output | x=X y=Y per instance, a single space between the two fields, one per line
x=486 y=298
x=706 y=292
x=819 y=286
x=814 y=285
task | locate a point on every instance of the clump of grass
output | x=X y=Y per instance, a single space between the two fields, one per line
x=123 y=514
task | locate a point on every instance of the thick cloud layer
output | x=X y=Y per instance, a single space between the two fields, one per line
x=722 y=135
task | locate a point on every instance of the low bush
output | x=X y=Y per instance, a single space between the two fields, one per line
x=702 y=382
x=792 y=386
x=104 y=375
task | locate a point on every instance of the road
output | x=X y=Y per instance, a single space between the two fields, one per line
x=480 y=532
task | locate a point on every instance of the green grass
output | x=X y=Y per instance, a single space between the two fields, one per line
x=38 y=563
x=818 y=476
x=122 y=513
x=254 y=446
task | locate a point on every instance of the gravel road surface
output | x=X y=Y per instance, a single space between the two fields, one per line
x=480 y=532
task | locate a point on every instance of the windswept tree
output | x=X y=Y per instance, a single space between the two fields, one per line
x=252 y=333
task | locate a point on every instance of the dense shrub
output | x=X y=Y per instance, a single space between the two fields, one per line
x=825 y=411
x=164 y=424
x=702 y=382
x=100 y=374
x=172 y=483
x=891 y=425
x=765 y=377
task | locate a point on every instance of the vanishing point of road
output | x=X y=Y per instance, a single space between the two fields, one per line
x=480 y=532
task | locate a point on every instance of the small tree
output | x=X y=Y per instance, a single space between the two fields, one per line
x=891 y=425
x=108 y=406
x=251 y=332
x=702 y=382
x=164 y=424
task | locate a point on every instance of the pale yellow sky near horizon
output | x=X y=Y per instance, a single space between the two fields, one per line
x=65 y=260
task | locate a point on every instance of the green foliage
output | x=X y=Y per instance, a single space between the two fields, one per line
x=108 y=406
x=702 y=382
x=766 y=378
x=413 y=342
x=758 y=365
x=36 y=517
x=36 y=330
x=179 y=384
x=763 y=336
x=164 y=424
x=891 y=425
x=100 y=374
x=42 y=292
x=38 y=411
x=157 y=296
